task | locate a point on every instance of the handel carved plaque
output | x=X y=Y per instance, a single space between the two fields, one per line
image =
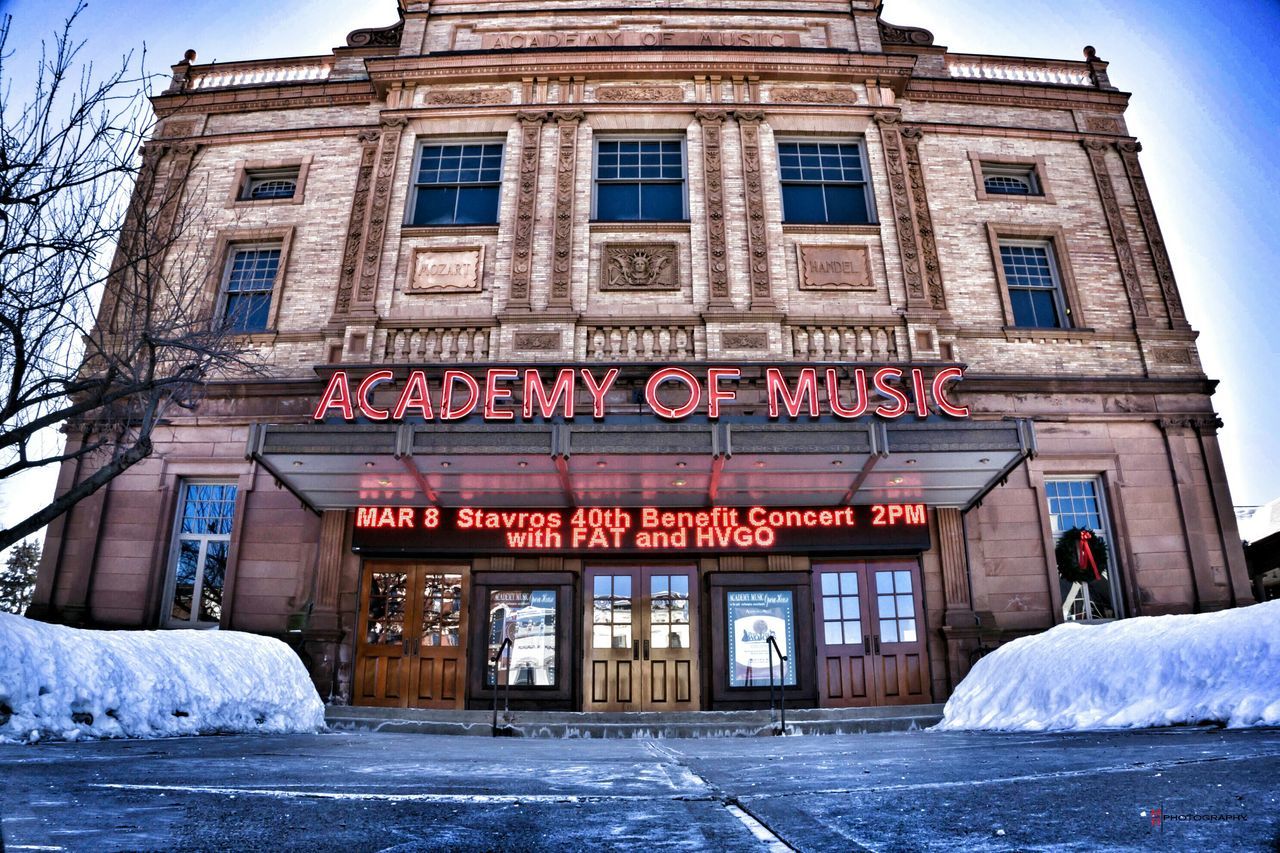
x=835 y=268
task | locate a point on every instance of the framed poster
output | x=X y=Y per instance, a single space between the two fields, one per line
x=527 y=617
x=752 y=616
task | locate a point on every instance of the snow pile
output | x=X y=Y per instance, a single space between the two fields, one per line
x=58 y=682
x=1151 y=671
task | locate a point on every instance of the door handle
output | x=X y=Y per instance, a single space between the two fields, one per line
x=635 y=650
x=876 y=639
x=866 y=643
x=404 y=645
x=646 y=649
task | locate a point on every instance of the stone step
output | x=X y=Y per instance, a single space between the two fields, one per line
x=635 y=724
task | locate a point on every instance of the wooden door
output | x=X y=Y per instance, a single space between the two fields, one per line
x=411 y=650
x=871 y=644
x=641 y=644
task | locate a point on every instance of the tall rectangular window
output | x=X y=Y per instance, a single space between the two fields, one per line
x=1035 y=285
x=457 y=184
x=248 y=283
x=1088 y=590
x=640 y=180
x=824 y=182
x=202 y=540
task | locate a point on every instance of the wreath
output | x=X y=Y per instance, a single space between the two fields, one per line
x=1082 y=555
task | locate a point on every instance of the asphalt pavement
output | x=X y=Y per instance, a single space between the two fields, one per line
x=1214 y=789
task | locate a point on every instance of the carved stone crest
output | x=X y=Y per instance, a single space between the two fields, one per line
x=640 y=266
x=744 y=340
x=536 y=341
x=835 y=268
x=811 y=95
x=639 y=93
x=446 y=270
x=467 y=97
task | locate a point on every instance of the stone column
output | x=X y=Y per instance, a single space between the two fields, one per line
x=368 y=140
x=1097 y=151
x=519 y=293
x=1210 y=593
x=562 y=225
x=758 y=277
x=913 y=223
x=960 y=629
x=323 y=636
x=712 y=121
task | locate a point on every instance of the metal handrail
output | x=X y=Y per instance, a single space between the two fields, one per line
x=506 y=701
x=782 y=688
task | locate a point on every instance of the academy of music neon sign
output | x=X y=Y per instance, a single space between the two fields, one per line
x=672 y=393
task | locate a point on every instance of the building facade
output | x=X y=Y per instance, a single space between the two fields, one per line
x=613 y=353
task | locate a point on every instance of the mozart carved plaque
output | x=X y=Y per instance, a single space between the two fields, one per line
x=640 y=266
x=446 y=270
x=835 y=268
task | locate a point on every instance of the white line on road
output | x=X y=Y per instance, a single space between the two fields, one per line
x=472 y=799
x=759 y=830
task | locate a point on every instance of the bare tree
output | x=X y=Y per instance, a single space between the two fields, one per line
x=105 y=327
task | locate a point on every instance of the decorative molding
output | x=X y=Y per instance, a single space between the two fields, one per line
x=900 y=198
x=826 y=267
x=536 y=341
x=383 y=183
x=377 y=36
x=752 y=341
x=526 y=210
x=758 y=278
x=356 y=221
x=639 y=93
x=562 y=217
x=446 y=270
x=909 y=36
x=1103 y=124
x=640 y=266
x=811 y=95
x=925 y=236
x=712 y=122
x=468 y=97
x=1097 y=152
x=179 y=127
x=1176 y=356
x=1155 y=239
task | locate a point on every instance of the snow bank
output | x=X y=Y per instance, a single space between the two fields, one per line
x=66 y=683
x=1150 y=671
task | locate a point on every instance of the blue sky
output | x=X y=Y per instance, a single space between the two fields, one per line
x=1205 y=107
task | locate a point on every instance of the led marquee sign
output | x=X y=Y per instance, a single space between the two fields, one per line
x=673 y=393
x=629 y=530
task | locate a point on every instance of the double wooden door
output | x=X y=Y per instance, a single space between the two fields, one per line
x=641 y=638
x=411 y=649
x=869 y=619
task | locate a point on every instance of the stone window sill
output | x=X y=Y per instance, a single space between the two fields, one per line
x=1024 y=334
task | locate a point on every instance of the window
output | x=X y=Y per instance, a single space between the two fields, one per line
x=1010 y=180
x=457 y=184
x=1079 y=503
x=640 y=180
x=1035 y=289
x=526 y=617
x=824 y=182
x=248 y=284
x=841 y=609
x=269 y=185
x=202 y=539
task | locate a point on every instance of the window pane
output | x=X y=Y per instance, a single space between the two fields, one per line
x=477 y=206
x=435 y=205
x=884 y=582
x=853 y=633
x=906 y=606
x=847 y=204
x=886 y=607
x=902 y=581
x=1007 y=185
x=248 y=312
x=622 y=586
x=889 y=631
x=802 y=203
x=601 y=586
x=830 y=607
x=830 y=583
x=849 y=583
x=680 y=585
x=215 y=572
x=618 y=202
x=601 y=637
x=908 y=629
x=850 y=608
x=661 y=202
x=185 y=578
x=272 y=188
x=832 y=633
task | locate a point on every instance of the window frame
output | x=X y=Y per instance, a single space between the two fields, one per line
x=246 y=170
x=860 y=142
x=167 y=621
x=1034 y=165
x=232 y=241
x=1060 y=265
x=420 y=145
x=1107 y=530
x=642 y=137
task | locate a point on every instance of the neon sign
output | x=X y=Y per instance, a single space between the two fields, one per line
x=672 y=393
x=640 y=530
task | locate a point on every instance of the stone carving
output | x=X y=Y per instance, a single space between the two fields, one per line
x=713 y=199
x=355 y=224
x=639 y=93
x=562 y=218
x=1173 y=355
x=1155 y=239
x=757 y=226
x=900 y=198
x=1103 y=124
x=446 y=270
x=925 y=237
x=469 y=97
x=377 y=37
x=744 y=340
x=536 y=341
x=640 y=266
x=1097 y=152
x=911 y=36
x=175 y=128
x=835 y=268
x=526 y=208
x=811 y=95
x=384 y=181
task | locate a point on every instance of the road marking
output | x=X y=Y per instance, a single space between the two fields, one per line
x=759 y=830
x=458 y=799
